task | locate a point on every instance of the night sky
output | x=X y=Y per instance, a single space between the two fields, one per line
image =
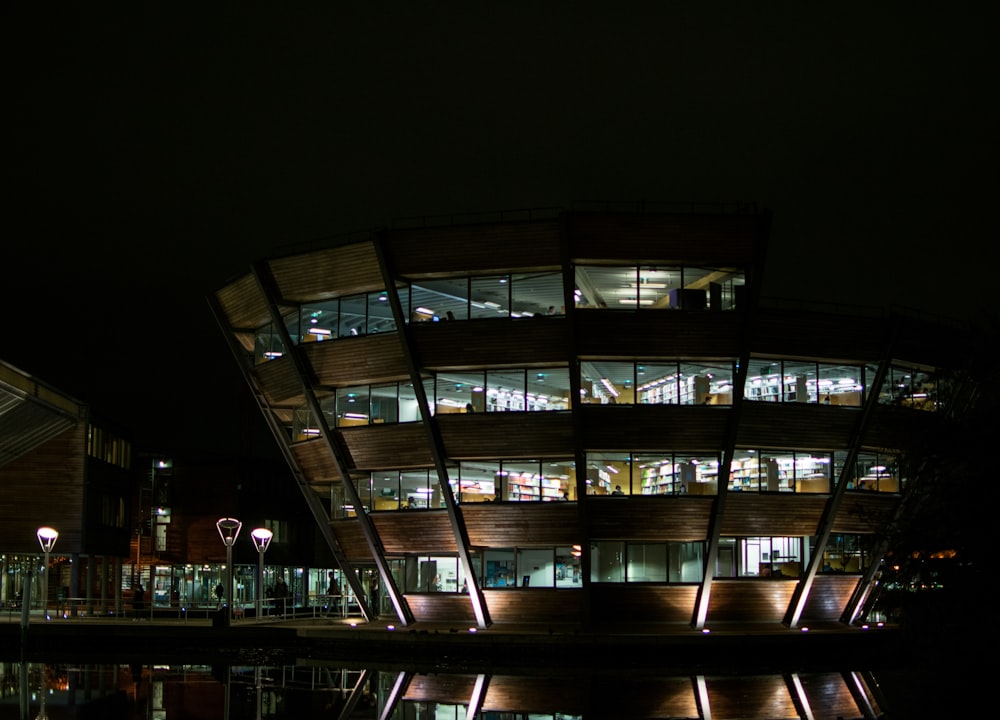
x=152 y=154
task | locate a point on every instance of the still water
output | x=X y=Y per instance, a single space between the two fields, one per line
x=320 y=689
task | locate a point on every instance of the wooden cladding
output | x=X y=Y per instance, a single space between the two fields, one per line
x=440 y=687
x=469 y=344
x=754 y=514
x=617 y=604
x=442 y=607
x=357 y=361
x=415 y=531
x=796 y=426
x=659 y=333
x=465 y=249
x=507 y=435
x=534 y=605
x=375 y=447
x=315 y=460
x=325 y=274
x=660 y=518
x=650 y=427
x=351 y=539
x=864 y=512
x=749 y=600
x=243 y=303
x=522 y=524
x=665 y=238
x=829 y=596
x=280 y=382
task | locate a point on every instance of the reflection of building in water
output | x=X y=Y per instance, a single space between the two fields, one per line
x=758 y=446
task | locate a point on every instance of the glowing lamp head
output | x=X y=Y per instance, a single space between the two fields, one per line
x=47 y=538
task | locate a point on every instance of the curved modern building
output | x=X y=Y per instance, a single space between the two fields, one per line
x=587 y=416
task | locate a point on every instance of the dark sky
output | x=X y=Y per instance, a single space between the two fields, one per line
x=152 y=154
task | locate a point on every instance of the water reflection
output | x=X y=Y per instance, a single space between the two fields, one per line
x=324 y=690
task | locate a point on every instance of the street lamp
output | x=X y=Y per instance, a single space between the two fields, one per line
x=261 y=539
x=229 y=530
x=47 y=539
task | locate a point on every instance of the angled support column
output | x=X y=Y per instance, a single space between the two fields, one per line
x=319 y=513
x=800 y=595
x=434 y=441
x=268 y=287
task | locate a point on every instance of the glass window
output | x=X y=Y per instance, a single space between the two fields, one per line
x=419 y=490
x=605 y=470
x=657 y=474
x=658 y=287
x=499 y=569
x=489 y=296
x=605 y=287
x=318 y=321
x=505 y=390
x=548 y=389
x=770 y=557
x=384 y=404
x=479 y=481
x=568 y=567
x=646 y=562
x=876 y=471
x=607 y=561
x=607 y=383
x=536 y=567
x=380 y=317
x=536 y=294
x=658 y=383
x=435 y=299
x=764 y=381
x=844 y=554
x=687 y=562
x=353 y=406
x=523 y=480
x=842 y=384
x=385 y=490
x=353 y=319
x=459 y=392
x=800 y=382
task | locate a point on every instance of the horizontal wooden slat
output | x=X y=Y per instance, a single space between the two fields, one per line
x=768 y=696
x=522 y=524
x=756 y=514
x=507 y=435
x=347 y=269
x=387 y=447
x=425 y=252
x=469 y=344
x=510 y=693
x=243 y=303
x=637 y=518
x=650 y=334
x=351 y=539
x=864 y=512
x=796 y=426
x=828 y=596
x=316 y=462
x=450 y=688
x=357 y=360
x=686 y=428
x=281 y=382
x=442 y=608
x=833 y=337
x=415 y=531
x=642 y=604
x=534 y=605
x=749 y=600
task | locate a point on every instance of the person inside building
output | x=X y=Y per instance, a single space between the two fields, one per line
x=617 y=490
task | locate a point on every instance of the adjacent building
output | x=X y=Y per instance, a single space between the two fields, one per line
x=588 y=415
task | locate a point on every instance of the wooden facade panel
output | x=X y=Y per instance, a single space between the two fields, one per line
x=430 y=251
x=347 y=269
x=357 y=361
x=638 y=518
x=491 y=436
x=639 y=603
x=890 y=428
x=506 y=694
x=243 y=303
x=469 y=344
x=835 y=337
x=442 y=608
x=795 y=426
x=448 y=688
x=675 y=697
x=754 y=514
x=828 y=596
x=650 y=334
x=768 y=695
x=46 y=486
x=749 y=600
x=665 y=237
x=522 y=524
x=280 y=382
x=862 y=512
x=415 y=531
x=316 y=462
x=351 y=539
x=682 y=428
x=534 y=605
x=829 y=690
x=387 y=447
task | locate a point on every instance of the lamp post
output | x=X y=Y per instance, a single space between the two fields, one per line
x=261 y=539
x=229 y=530
x=47 y=539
